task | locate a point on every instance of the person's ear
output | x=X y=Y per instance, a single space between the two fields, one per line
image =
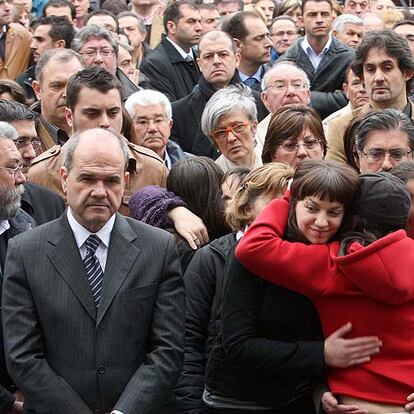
x=37 y=90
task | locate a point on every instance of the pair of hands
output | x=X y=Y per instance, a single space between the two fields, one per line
x=331 y=405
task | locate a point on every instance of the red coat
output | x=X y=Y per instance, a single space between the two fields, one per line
x=373 y=287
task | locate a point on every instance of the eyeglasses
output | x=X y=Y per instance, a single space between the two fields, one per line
x=309 y=144
x=144 y=123
x=281 y=33
x=222 y=133
x=284 y=86
x=24 y=142
x=13 y=171
x=91 y=53
x=377 y=154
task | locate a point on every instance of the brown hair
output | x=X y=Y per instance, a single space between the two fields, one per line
x=288 y=122
x=330 y=180
x=351 y=153
x=270 y=179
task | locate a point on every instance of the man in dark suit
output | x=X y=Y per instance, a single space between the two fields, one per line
x=171 y=66
x=12 y=222
x=93 y=302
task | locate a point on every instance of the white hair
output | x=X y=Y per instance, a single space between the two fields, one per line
x=8 y=131
x=275 y=67
x=343 y=19
x=148 y=97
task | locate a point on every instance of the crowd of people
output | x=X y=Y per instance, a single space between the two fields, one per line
x=206 y=207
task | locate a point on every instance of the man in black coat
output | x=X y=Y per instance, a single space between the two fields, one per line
x=12 y=222
x=171 y=66
x=218 y=62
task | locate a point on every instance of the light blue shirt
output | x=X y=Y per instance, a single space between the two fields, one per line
x=312 y=55
x=257 y=75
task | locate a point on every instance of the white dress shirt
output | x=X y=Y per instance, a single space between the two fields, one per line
x=181 y=51
x=4 y=226
x=312 y=55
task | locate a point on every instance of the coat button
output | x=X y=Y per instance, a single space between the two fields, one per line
x=101 y=370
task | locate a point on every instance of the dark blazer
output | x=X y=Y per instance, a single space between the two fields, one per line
x=329 y=76
x=18 y=224
x=41 y=203
x=168 y=72
x=68 y=357
x=187 y=112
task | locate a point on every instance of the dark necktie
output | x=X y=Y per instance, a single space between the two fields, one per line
x=93 y=269
x=251 y=82
x=188 y=58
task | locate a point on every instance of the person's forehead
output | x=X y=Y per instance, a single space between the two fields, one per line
x=266 y=3
x=127 y=21
x=104 y=19
x=317 y=6
x=55 y=69
x=42 y=30
x=94 y=42
x=283 y=24
x=350 y=77
x=285 y=72
x=347 y=2
x=405 y=29
x=187 y=12
x=143 y=110
x=25 y=127
x=123 y=54
x=255 y=26
x=354 y=27
x=379 y=56
x=386 y=139
x=92 y=98
x=220 y=43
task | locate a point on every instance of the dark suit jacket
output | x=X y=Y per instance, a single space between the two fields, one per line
x=66 y=356
x=20 y=223
x=41 y=203
x=168 y=72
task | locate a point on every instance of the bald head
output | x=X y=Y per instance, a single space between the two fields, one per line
x=217 y=36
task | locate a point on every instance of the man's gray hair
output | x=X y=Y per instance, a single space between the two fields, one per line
x=93 y=32
x=235 y=98
x=74 y=141
x=343 y=19
x=384 y=120
x=269 y=73
x=59 y=55
x=8 y=131
x=148 y=97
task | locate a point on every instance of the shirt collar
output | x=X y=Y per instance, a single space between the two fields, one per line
x=167 y=160
x=306 y=45
x=257 y=75
x=4 y=226
x=81 y=234
x=180 y=50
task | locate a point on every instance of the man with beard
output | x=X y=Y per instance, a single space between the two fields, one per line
x=13 y=221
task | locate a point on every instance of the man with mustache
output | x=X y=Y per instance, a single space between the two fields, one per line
x=13 y=221
x=386 y=66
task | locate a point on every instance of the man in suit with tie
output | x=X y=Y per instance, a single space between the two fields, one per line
x=13 y=221
x=93 y=302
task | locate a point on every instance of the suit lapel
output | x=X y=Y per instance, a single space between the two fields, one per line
x=122 y=255
x=65 y=257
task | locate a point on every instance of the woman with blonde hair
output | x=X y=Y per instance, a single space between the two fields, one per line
x=204 y=280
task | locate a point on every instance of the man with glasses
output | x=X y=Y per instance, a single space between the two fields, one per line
x=14 y=44
x=384 y=139
x=13 y=221
x=100 y=49
x=37 y=201
x=284 y=34
x=284 y=84
x=151 y=115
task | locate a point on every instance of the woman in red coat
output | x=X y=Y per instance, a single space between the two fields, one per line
x=370 y=286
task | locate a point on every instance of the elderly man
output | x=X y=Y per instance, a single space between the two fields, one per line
x=13 y=221
x=100 y=49
x=384 y=139
x=94 y=100
x=253 y=42
x=349 y=29
x=171 y=67
x=284 y=34
x=322 y=57
x=284 y=84
x=119 y=279
x=372 y=22
x=386 y=68
x=356 y=7
x=151 y=116
x=53 y=70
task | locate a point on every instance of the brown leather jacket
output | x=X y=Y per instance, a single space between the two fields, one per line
x=145 y=168
x=17 y=52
